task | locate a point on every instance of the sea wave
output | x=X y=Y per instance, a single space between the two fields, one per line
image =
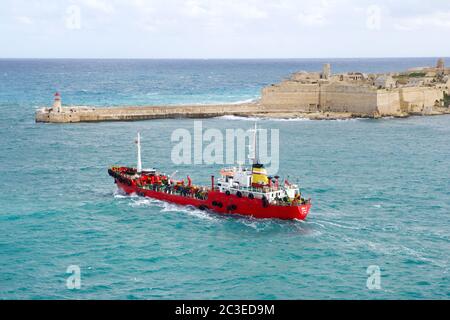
x=119 y=194
x=296 y=119
x=251 y=100
x=253 y=119
x=215 y=102
x=169 y=207
x=192 y=211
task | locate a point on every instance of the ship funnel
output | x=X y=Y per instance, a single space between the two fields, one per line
x=139 y=162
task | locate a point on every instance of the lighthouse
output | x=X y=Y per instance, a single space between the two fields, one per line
x=57 y=107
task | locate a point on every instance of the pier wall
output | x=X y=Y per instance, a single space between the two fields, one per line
x=89 y=114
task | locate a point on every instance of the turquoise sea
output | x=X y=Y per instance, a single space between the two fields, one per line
x=380 y=190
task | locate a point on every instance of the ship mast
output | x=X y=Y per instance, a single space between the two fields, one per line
x=139 y=162
x=254 y=148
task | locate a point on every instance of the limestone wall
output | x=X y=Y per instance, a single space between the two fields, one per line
x=388 y=102
x=345 y=98
x=291 y=94
x=408 y=100
x=80 y=114
x=321 y=97
x=419 y=99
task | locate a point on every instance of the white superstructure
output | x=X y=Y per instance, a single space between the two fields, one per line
x=253 y=182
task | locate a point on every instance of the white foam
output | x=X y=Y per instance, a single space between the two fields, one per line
x=421 y=257
x=141 y=202
x=297 y=119
x=289 y=119
x=341 y=225
x=345 y=120
x=251 y=100
x=253 y=223
x=253 y=119
x=168 y=207
x=310 y=223
x=192 y=211
x=239 y=118
x=120 y=194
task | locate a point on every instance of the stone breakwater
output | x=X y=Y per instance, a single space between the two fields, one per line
x=91 y=114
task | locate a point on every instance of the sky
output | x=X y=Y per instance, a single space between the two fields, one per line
x=211 y=29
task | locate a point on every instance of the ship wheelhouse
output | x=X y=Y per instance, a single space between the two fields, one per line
x=254 y=182
x=240 y=181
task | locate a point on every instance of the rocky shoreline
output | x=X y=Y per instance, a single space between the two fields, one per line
x=343 y=115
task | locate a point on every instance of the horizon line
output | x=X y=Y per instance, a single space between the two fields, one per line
x=275 y=58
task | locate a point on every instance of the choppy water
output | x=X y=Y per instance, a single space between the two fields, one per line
x=380 y=190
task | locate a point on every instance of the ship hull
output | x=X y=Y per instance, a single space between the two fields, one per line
x=225 y=204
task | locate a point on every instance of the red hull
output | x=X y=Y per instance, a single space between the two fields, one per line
x=230 y=204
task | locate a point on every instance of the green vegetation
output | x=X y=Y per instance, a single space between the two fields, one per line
x=417 y=74
x=405 y=77
x=447 y=100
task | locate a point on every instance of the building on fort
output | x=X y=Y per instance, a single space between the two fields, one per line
x=418 y=90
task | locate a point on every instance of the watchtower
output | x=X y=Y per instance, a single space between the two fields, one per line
x=326 y=73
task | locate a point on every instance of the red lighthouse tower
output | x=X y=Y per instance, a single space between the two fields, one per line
x=57 y=105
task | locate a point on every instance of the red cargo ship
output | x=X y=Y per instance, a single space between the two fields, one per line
x=239 y=190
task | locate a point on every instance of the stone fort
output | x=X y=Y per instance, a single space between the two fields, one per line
x=418 y=90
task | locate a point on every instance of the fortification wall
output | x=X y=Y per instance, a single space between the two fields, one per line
x=345 y=98
x=388 y=102
x=291 y=95
x=408 y=100
x=418 y=99
x=321 y=97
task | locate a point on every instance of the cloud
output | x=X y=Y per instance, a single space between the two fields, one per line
x=230 y=9
x=24 y=20
x=194 y=8
x=250 y=11
x=373 y=17
x=141 y=5
x=227 y=28
x=73 y=18
x=316 y=15
x=436 y=19
x=312 y=17
x=99 y=5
